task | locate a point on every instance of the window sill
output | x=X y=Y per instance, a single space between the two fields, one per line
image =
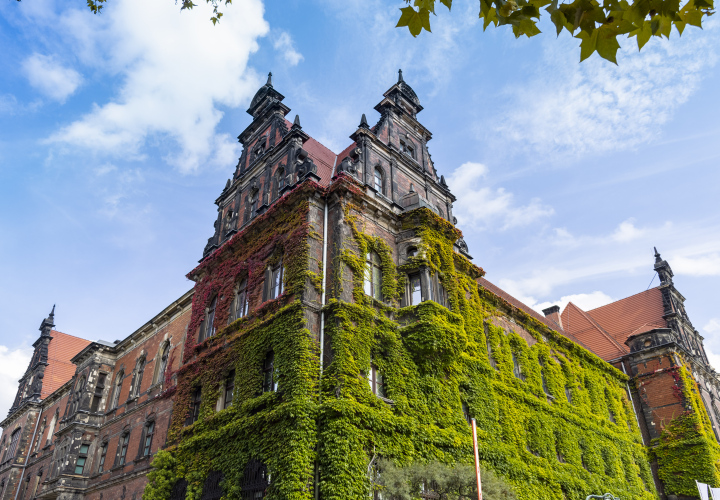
x=142 y=459
x=386 y=400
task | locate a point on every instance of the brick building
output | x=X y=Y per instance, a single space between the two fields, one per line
x=337 y=320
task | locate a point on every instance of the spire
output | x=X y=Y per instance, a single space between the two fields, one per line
x=657 y=256
x=269 y=82
x=363 y=122
x=296 y=122
x=663 y=269
x=400 y=78
x=48 y=323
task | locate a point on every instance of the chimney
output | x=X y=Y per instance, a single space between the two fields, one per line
x=553 y=313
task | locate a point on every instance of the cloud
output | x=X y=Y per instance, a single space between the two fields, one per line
x=285 y=45
x=703 y=265
x=576 y=109
x=585 y=301
x=627 y=231
x=482 y=207
x=13 y=364
x=177 y=69
x=713 y=326
x=50 y=77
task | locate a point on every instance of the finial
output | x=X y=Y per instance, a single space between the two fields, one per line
x=52 y=313
x=296 y=123
x=400 y=78
x=269 y=82
x=363 y=122
x=657 y=255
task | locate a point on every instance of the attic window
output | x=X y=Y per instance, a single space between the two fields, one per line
x=407 y=149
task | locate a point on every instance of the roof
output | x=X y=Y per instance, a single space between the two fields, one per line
x=605 y=329
x=492 y=288
x=323 y=158
x=60 y=369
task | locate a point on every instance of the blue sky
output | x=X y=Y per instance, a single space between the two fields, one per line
x=117 y=133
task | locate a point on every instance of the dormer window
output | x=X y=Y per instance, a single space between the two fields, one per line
x=407 y=149
x=378 y=180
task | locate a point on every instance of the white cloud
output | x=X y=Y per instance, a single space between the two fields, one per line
x=627 y=231
x=13 y=364
x=176 y=68
x=573 y=109
x=713 y=326
x=50 y=77
x=585 y=301
x=713 y=358
x=286 y=46
x=703 y=265
x=483 y=207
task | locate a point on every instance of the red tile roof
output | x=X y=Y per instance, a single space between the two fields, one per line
x=605 y=329
x=323 y=158
x=529 y=310
x=59 y=370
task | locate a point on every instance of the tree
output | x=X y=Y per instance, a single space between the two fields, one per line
x=448 y=482
x=597 y=25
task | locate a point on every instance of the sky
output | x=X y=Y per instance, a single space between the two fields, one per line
x=117 y=133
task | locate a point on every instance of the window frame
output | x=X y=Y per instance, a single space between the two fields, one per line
x=242 y=300
x=373 y=276
x=376 y=381
x=123 y=443
x=162 y=365
x=195 y=404
x=228 y=388
x=102 y=457
x=82 y=455
x=147 y=439
x=98 y=393
x=411 y=295
x=269 y=374
x=276 y=276
x=379 y=180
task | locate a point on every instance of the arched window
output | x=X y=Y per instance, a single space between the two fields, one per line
x=103 y=454
x=137 y=378
x=373 y=276
x=255 y=481
x=118 y=388
x=162 y=365
x=207 y=328
x=122 y=448
x=146 y=441
x=378 y=180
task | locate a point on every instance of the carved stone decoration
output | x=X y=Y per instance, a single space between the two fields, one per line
x=304 y=165
x=462 y=245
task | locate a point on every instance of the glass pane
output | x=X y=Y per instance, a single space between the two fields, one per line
x=84 y=448
x=367 y=283
x=377 y=283
x=415 y=290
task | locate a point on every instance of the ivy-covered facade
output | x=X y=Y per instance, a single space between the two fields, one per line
x=382 y=343
x=338 y=321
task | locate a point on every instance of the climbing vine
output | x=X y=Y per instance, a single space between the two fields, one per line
x=553 y=419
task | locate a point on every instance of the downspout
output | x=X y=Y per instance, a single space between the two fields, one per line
x=32 y=441
x=632 y=403
x=322 y=326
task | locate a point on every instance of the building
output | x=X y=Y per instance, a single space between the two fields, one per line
x=336 y=318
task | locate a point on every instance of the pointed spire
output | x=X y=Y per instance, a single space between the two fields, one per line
x=296 y=122
x=363 y=122
x=657 y=255
x=400 y=78
x=52 y=313
x=269 y=82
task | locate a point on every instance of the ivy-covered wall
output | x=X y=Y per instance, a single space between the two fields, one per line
x=687 y=450
x=434 y=361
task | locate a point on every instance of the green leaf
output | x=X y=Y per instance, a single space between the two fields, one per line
x=447 y=3
x=425 y=19
x=405 y=17
x=693 y=18
x=588 y=43
x=428 y=5
x=643 y=33
x=558 y=18
x=607 y=44
x=415 y=24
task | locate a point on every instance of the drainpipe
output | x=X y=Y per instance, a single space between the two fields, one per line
x=32 y=441
x=322 y=326
x=632 y=403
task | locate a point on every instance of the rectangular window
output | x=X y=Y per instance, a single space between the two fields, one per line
x=241 y=301
x=122 y=448
x=568 y=394
x=147 y=442
x=375 y=380
x=491 y=357
x=229 y=389
x=407 y=149
x=82 y=458
x=517 y=370
x=269 y=379
x=276 y=281
x=99 y=389
x=415 y=289
x=103 y=453
x=195 y=402
x=373 y=276
x=13 y=445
